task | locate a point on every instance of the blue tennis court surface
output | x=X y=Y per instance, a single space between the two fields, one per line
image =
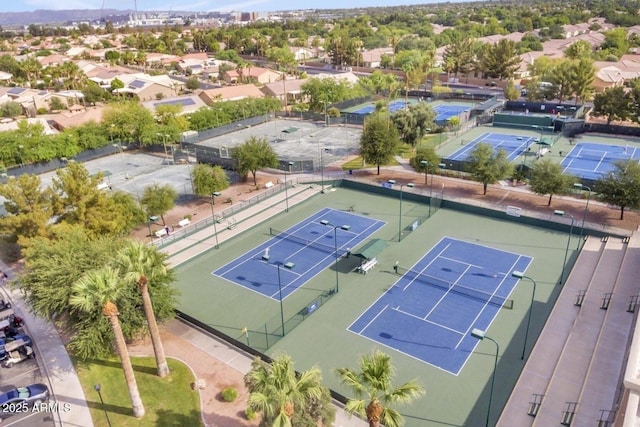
x=393 y=106
x=590 y=160
x=309 y=249
x=430 y=311
x=445 y=112
x=514 y=145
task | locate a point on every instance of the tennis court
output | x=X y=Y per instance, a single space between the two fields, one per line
x=514 y=145
x=445 y=112
x=430 y=311
x=590 y=160
x=284 y=263
x=395 y=105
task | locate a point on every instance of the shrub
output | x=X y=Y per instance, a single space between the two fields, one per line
x=229 y=394
x=250 y=414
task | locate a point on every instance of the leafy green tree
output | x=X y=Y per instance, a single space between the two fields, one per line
x=99 y=290
x=130 y=122
x=285 y=60
x=615 y=42
x=583 y=76
x=139 y=265
x=428 y=155
x=255 y=153
x=322 y=92
x=285 y=398
x=621 y=186
x=487 y=165
x=158 y=199
x=192 y=83
x=460 y=56
x=563 y=78
x=208 y=179
x=412 y=123
x=510 y=91
x=501 y=60
x=11 y=109
x=379 y=140
x=375 y=395
x=579 y=50
x=613 y=103
x=29 y=208
x=547 y=178
x=378 y=82
x=77 y=200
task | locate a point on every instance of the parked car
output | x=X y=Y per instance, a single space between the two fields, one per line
x=22 y=399
x=17 y=351
x=4 y=342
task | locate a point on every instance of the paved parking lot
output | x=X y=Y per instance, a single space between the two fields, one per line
x=23 y=374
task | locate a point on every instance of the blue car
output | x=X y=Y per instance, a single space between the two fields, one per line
x=22 y=399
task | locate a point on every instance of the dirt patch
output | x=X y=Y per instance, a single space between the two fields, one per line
x=199 y=208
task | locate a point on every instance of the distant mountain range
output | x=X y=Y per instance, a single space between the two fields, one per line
x=52 y=17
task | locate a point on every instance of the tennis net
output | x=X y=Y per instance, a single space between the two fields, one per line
x=600 y=156
x=302 y=240
x=462 y=290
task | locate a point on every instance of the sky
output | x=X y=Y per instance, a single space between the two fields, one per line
x=199 y=5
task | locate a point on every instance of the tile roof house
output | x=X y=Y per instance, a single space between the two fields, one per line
x=258 y=74
x=231 y=93
x=147 y=87
x=188 y=104
x=371 y=58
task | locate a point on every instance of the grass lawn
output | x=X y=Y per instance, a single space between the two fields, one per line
x=168 y=401
x=356 y=164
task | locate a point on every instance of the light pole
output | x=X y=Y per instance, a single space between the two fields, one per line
x=563 y=213
x=286 y=187
x=579 y=186
x=335 y=242
x=479 y=334
x=410 y=185
x=281 y=306
x=322 y=168
x=520 y=275
x=97 y=388
x=213 y=215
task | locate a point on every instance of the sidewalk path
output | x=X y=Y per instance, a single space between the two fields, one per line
x=54 y=362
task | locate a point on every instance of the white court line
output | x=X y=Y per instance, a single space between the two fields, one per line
x=426 y=321
x=460 y=262
x=427 y=266
x=488 y=302
x=452 y=285
x=374 y=319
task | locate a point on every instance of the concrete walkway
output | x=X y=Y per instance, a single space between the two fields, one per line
x=54 y=362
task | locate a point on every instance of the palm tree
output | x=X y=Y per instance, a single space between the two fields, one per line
x=141 y=264
x=277 y=392
x=100 y=289
x=373 y=382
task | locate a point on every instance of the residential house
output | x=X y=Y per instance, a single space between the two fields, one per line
x=53 y=60
x=277 y=90
x=301 y=54
x=231 y=93
x=371 y=58
x=147 y=87
x=256 y=74
x=188 y=104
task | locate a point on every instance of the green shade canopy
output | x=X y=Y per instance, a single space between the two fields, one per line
x=371 y=249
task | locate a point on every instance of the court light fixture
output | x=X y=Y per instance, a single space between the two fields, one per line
x=566 y=252
x=521 y=275
x=344 y=227
x=481 y=335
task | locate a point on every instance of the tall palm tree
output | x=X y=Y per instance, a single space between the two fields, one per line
x=99 y=289
x=277 y=392
x=374 y=392
x=140 y=264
